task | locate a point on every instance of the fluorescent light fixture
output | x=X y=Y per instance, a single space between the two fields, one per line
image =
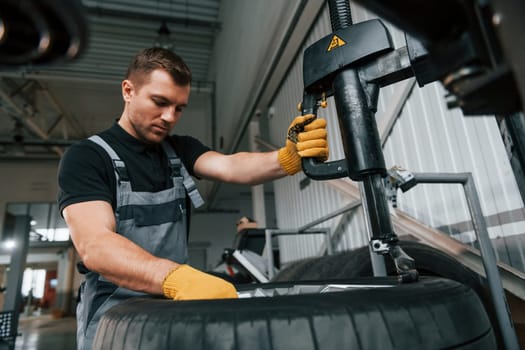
x=9 y=244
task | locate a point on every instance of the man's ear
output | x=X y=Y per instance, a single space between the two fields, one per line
x=127 y=90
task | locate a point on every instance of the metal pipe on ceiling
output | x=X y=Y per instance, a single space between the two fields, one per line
x=37 y=142
x=201 y=22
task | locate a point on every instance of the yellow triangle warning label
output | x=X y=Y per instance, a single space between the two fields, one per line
x=335 y=43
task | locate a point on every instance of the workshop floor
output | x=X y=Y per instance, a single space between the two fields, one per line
x=46 y=333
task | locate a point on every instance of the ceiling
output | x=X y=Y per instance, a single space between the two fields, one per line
x=45 y=107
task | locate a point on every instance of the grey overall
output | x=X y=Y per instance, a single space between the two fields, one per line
x=154 y=221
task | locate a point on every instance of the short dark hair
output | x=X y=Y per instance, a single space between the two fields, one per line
x=250 y=220
x=148 y=60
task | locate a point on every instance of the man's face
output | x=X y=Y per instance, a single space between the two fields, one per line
x=153 y=108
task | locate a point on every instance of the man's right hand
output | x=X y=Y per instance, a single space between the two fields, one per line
x=306 y=138
x=187 y=283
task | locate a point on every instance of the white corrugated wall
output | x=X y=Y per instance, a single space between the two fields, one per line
x=427 y=137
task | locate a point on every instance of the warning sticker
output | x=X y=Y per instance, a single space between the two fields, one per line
x=335 y=43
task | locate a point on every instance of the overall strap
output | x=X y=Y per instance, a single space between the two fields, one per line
x=118 y=164
x=177 y=169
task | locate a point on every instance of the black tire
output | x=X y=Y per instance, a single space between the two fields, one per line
x=356 y=263
x=433 y=313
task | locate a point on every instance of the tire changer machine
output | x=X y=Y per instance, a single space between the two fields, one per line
x=465 y=44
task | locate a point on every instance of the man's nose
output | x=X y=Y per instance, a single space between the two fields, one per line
x=168 y=114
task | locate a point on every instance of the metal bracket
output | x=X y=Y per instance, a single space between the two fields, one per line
x=380 y=247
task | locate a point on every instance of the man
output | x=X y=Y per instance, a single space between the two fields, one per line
x=123 y=192
x=244 y=223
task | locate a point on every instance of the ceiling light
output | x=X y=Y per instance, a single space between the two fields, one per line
x=9 y=244
x=17 y=147
x=163 y=38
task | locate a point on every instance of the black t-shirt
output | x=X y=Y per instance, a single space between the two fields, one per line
x=86 y=172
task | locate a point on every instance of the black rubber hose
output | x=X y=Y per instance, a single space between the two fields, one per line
x=340 y=14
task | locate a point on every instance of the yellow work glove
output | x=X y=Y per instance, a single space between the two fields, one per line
x=187 y=283
x=306 y=138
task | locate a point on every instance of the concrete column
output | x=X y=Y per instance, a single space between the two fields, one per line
x=65 y=278
x=15 y=275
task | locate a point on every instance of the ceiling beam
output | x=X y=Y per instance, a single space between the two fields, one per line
x=20 y=114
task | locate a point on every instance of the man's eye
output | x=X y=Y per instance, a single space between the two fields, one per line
x=160 y=103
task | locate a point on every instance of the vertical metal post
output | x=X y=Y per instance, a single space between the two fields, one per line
x=269 y=252
x=378 y=261
x=491 y=269
x=13 y=297
x=488 y=256
x=377 y=208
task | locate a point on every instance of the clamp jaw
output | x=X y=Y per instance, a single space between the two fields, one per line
x=398 y=178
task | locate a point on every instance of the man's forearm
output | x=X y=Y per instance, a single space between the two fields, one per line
x=254 y=168
x=126 y=264
x=245 y=168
